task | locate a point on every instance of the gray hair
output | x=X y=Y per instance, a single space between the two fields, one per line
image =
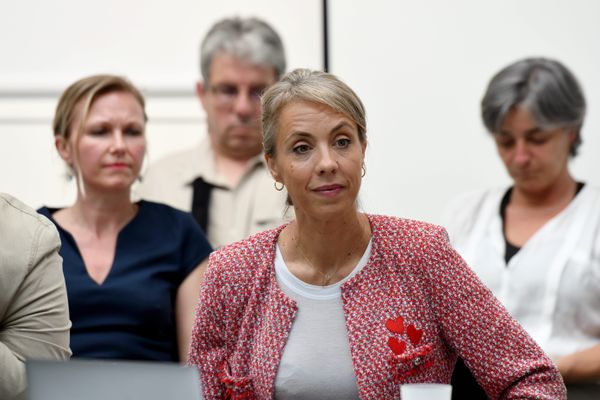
x=248 y=38
x=546 y=88
x=315 y=87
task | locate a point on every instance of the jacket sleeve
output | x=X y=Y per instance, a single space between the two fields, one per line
x=503 y=358
x=36 y=322
x=209 y=342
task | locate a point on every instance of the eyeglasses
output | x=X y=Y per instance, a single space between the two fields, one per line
x=226 y=94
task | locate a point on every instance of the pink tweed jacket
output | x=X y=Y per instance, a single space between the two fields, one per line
x=409 y=312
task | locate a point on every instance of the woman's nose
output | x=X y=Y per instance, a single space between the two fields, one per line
x=327 y=162
x=118 y=141
x=522 y=154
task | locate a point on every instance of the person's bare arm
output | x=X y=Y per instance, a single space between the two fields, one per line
x=187 y=299
x=582 y=366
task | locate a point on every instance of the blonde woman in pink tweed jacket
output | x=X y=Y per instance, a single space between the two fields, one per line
x=339 y=304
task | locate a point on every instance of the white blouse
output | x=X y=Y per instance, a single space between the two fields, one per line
x=552 y=285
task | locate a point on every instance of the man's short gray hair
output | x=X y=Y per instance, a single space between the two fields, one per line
x=247 y=38
x=546 y=88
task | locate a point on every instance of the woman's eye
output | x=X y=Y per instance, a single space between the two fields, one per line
x=301 y=149
x=538 y=139
x=504 y=142
x=98 y=131
x=343 y=143
x=134 y=132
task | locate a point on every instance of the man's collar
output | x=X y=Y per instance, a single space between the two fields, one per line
x=204 y=165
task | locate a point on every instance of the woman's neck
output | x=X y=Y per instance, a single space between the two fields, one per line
x=527 y=212
x=557 y=195
x=329 y=244
x=99 y=213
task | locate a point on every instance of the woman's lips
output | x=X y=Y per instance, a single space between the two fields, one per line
x=329 y=190
x=117 y=165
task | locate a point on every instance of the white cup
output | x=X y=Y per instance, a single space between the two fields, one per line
x=426 y=391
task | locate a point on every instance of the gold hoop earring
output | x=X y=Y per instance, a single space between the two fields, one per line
x=364 y=171
x=279 y=189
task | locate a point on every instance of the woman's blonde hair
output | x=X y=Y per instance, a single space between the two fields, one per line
x=315 y=87
x=84 y=92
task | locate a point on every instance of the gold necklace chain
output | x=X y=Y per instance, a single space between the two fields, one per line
x=326 y=276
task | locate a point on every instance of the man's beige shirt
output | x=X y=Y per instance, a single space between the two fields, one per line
x=235 y=212
x=34 y=313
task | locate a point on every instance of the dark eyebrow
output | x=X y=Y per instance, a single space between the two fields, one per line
x=307 y=135
x=340 y=126
x=533 y=131
x=528 y=132
x=294 y=135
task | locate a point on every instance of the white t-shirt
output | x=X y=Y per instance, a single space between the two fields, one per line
x=316 y=361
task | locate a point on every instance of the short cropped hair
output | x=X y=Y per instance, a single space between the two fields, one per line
x=247 y=38
x=545 y=87
x=311 y=86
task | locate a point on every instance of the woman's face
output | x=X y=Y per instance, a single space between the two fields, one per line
x=534 y=157
x=109 y=152
x=318 y=157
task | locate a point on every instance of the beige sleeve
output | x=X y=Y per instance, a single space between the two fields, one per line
x=36 y=323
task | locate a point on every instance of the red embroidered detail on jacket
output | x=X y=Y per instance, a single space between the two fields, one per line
x=235 y=388
x=397 y=346
x=404 y=364
x=395 y=325
x=409 y=364
x=414 y=334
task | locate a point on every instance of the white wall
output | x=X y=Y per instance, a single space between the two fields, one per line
x=421 y=68
x=45 y=46
x=48 y=44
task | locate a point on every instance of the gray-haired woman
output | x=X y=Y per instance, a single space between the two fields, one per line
x=536 y=244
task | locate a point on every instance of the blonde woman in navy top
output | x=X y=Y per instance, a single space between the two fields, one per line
x=132 y=269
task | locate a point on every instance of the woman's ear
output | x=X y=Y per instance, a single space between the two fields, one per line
x=272 y=165
x=572 y=136
x=64 y=148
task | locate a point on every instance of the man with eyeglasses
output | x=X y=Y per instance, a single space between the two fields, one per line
x=224 y=181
